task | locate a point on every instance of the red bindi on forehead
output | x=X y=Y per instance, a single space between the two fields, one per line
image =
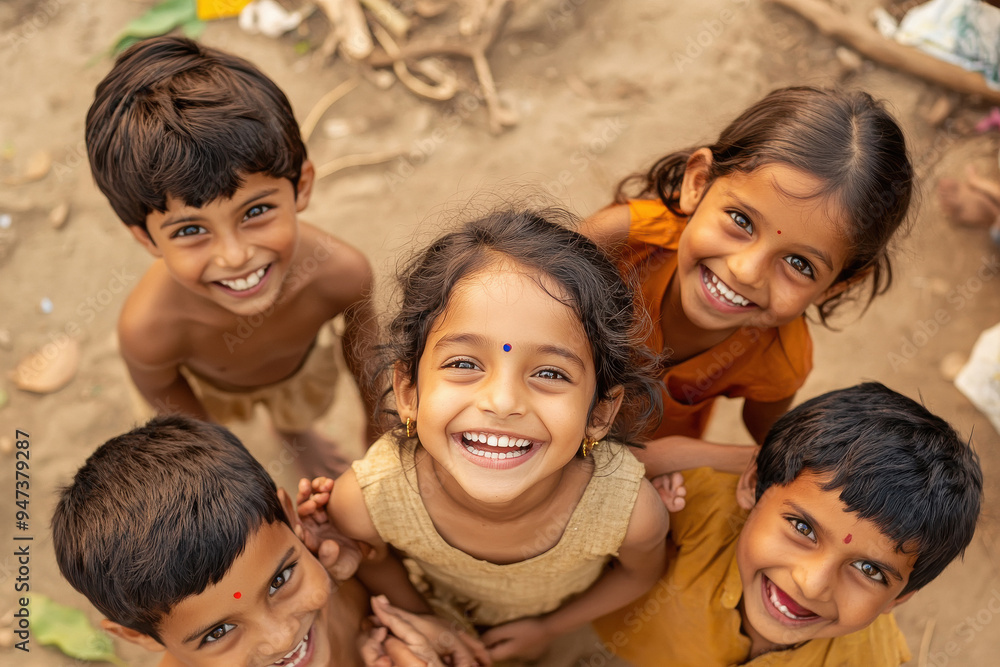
x=847 y=540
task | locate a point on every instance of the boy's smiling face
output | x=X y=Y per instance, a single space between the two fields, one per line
x=234 y=252
x=811 y=569
x=269 y=609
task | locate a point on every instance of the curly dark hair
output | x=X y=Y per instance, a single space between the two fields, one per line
x=535 y=240
x=846 y=139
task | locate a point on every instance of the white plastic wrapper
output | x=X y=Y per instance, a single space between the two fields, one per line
x=979 y=379
x=962 y=32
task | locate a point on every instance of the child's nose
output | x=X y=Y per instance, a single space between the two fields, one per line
x=815 y=577
x=500 y=395
x=279 y=638
x=748 y=266
x=231 y=252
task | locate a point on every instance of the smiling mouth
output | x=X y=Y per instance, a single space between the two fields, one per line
x=495 y=447
x=785 y=605
x=722 y=291
x=297 y=655
x=250 y=281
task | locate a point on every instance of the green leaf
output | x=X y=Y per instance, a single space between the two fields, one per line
x=69 y=630
x=159 y=20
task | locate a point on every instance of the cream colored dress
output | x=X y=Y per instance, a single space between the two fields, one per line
x=484 y=593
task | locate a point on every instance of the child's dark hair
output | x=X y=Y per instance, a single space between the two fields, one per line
x=894 y=463
x=174 y=118
x=533 y=239
x=846 y=139
x=158 y=514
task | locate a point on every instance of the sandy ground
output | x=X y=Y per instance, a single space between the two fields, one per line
x=601 y=89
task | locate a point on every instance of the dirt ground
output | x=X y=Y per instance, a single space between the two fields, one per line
x=601 y=89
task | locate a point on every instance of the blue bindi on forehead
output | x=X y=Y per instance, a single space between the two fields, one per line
x=506 y=347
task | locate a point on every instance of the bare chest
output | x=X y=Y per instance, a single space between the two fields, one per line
x=254 y=350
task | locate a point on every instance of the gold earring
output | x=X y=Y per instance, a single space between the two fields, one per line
x=411 y=427
x=588 y=445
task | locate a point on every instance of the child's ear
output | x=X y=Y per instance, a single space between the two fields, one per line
x=695 y=181
x=304 y=190
x=843 y=285
x=604 y=413
x=142 y=236
x=898 y=601
x=746 y=488
x=130 y=635
x=289 y=506
x=405 y=393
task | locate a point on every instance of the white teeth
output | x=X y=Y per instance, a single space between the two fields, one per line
x=780 y=607
x=515 y=446
x=722 y=290
x=300 y=650
x=496 y=440
x=241 y=284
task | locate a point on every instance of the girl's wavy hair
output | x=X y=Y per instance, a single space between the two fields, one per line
x=848 y=140
x=536 y=242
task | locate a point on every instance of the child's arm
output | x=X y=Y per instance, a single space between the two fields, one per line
x=609 y=226
x=346 y=283
x=759 y=417
x=151 y=354
x=677 y=452
x=381 y=572
x=641 y=562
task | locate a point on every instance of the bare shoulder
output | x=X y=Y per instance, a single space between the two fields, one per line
x=151 y=325
x=333 y=266
x=609 y=226
x=650 y=520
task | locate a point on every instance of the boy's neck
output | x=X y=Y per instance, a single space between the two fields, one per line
x=758 y=644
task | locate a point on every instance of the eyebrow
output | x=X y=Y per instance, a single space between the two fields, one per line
x=198 y=634
x=808 y=249
x=884 y=567
x=195 y=217
x=482 y=341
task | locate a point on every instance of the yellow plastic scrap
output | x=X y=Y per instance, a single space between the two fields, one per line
x=220 y=9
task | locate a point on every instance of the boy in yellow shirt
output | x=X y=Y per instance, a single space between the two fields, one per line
x=859 y=498
x=199 y=154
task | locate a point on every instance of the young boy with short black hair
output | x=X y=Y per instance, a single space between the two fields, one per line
x=859 y=498
x=199 y=154
x=177 y=535
x=180 y=538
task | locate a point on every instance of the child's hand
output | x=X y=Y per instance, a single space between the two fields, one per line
x=338 y=554
x=527 y=638
x=672 y=490
x=415 y=640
